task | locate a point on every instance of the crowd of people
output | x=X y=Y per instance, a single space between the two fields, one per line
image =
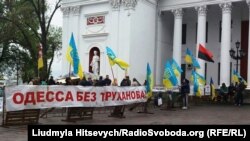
x=118 y=110
x=232 y=93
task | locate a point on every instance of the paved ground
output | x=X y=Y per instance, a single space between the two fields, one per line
x=198 y=114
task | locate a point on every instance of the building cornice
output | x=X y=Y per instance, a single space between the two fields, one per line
x=95 y=35
x=202 y=10
x=154 y=2
x=65 y=11
x=170 y=7
x=226 y=7
x=178 y=13
x=115 y=4
x=75 y=10
x=71 y=3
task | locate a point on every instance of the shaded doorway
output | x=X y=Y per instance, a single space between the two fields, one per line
x=244 y=47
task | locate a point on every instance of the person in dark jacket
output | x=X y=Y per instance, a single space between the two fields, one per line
x=239 y=97
x=83 y=82
x=51 y=81
x=107 y=81
x=119 y=110
x=185 y=90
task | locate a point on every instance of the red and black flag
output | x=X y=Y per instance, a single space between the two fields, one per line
x=205 y=54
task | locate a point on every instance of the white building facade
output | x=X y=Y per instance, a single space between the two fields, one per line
x=153 y=31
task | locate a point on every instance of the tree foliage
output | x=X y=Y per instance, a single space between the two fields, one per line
x=23 y=25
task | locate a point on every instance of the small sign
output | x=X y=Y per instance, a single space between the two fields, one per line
x=207 y=89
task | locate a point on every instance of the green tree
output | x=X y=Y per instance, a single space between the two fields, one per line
x=24 y=24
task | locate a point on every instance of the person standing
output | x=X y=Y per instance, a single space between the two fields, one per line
x=115 y=82
x=107 y=81
x=134 y=83
x=185 y=90
x=119 y=110
x=51 y=81
x=239 y=97
x=231 y=92
x=224 y=92
x=68 y=81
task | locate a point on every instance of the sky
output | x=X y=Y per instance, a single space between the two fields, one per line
x=56 y=21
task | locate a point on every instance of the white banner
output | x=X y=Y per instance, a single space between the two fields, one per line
x=36 y=97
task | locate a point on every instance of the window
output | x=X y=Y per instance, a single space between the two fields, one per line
x=205 y=71
x=218 y=73
x=231 y=65
x=220 y=29
x=206 y=31
x=184 y=33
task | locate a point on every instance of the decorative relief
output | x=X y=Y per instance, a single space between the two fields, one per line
x=94 y=20
x=202 y=10
x=115 y=4
x=128 y=4
x=75 y=10
x=95 y=25
x=178 y=13
x=65 y=10
x=226 y=7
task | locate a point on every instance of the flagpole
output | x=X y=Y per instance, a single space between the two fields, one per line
x=112 y=72
x=126 y=73
x=69 y=69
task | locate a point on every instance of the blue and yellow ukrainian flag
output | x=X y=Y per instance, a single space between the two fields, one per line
x=213 y=94
x=237 y=77
x=73 y=58
x=169 y=78
x=176 y=68
x=114 y=60
x=149 y=84
x=190 y=59
x=197 y=80
x=201 y=79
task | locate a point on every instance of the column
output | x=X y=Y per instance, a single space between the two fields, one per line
x=75 y=29
x=248 y=63
x=75 y=21
x=114 y=34
x=225 y=43
x=65 y=38
x=201 y=35
x=178 y=13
